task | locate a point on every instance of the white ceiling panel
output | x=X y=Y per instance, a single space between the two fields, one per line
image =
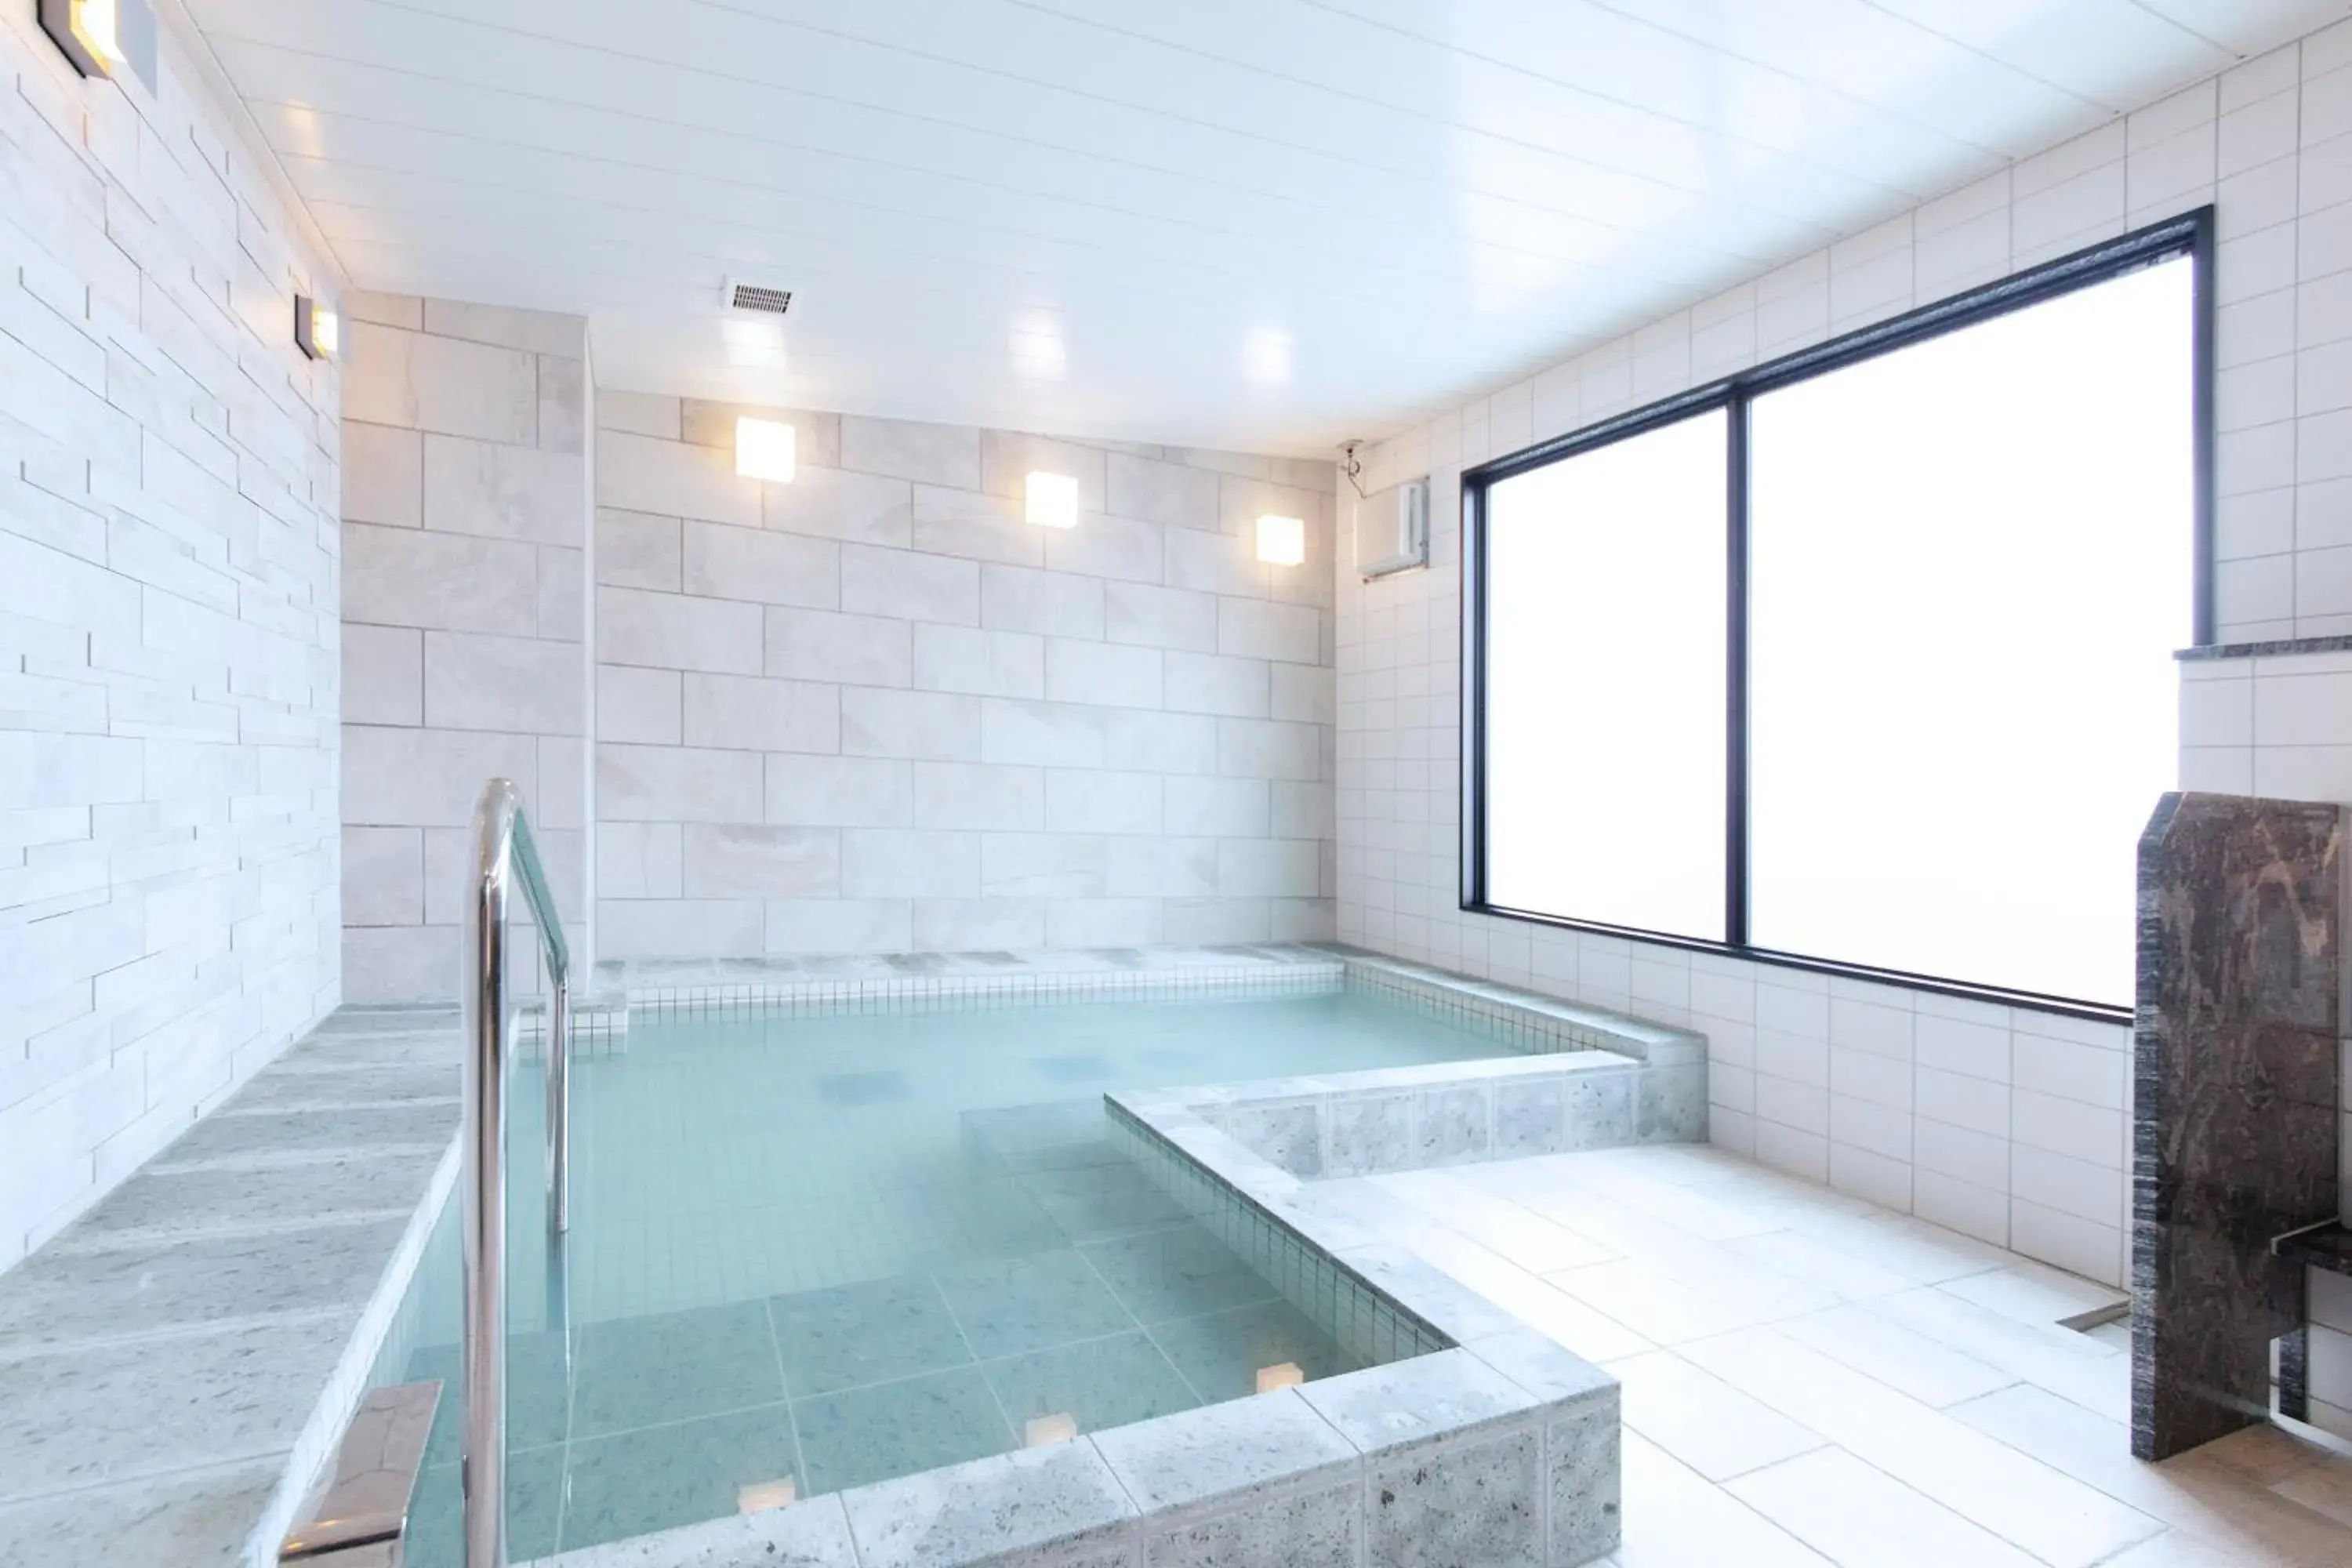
x=1268 y=224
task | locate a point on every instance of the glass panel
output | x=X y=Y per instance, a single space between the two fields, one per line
x=1971 y=561
x=1604 y=683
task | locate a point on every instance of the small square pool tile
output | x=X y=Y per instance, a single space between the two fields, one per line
x=1096 y=1201
x=673 y=1366
x=850 y=1090
x=1081 y=1067
x=435 y=1533
x=663 y=1476
x=1222 y=1353
x=1096 y=1384
x=1010 y=1306
x=872 y=1332
x=1179 y=1272
x=897 y=1428
x=538 y=1394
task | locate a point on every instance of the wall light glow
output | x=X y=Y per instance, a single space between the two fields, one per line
x=1040 y=348
x=317 y=330
x=1281 y=541
x=764 y=449
x=89 y=32
x=1052 y=500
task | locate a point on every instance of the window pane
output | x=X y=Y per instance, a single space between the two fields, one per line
x=1970 y=562
x=1604 y=684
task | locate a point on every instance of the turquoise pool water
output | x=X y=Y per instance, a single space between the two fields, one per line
x=808 y=1253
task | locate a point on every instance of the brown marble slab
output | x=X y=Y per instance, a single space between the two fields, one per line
x=2240 y=1009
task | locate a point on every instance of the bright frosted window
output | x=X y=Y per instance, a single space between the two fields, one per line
x=1604 y=684
x=1970 y=560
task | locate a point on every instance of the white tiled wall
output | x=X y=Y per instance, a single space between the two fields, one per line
x=466 y=539
x=167 y=626
x=2003 y=1122
x=875 y=709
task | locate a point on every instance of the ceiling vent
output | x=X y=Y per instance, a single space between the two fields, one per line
x=760 y=297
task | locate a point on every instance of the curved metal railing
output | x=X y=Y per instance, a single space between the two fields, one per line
x=504 y=855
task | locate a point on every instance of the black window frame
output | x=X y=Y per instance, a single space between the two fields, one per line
x=2191 y=235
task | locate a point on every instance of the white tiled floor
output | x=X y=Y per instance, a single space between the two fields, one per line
x=1810 y=1379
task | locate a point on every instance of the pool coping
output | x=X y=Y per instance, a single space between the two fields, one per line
x=1371 y=1123
x=192 y=1434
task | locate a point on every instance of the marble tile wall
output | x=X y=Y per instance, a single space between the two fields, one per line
x=465 y=618
x=168 y=561
x=876 y=709
x=2003 y=1122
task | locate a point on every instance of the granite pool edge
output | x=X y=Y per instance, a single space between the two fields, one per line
x=322 y=1434
x=1387 y=1119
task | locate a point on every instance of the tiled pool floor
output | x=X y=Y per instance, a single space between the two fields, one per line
x=1812 y=1380
x=810 y=1253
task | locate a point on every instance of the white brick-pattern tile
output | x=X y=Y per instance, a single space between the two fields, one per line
x=876 y=709
x=168 y=640
x=468 y=535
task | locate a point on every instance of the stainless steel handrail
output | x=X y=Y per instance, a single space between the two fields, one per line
x=504 y=854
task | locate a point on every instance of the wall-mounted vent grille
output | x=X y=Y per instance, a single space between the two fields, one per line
x=743 y=296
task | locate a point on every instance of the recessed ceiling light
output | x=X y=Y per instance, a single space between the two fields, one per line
x=1282 y=540
x=1265 y=356
x=753 y=343
x=318 y=332
x=89 y=32
x=1052 y=500
x=764 y=449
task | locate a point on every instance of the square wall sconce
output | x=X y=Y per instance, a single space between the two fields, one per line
x=764 y=449
x=1281 y=541
x=318 y=332
x=1052 y=500
x=89 y=32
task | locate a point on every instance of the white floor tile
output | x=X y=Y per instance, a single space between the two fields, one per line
x=1513 y=1230
x=1675 y=1518
x=1842 y=1270
x=2325 y=1488
x=1702 y=1421
x=1862 y=1518
x=2057 y=1519
x=1686 y=1298
x=2034 y=1294
x=2215 y=1506
x=1863 y=1387
x=2071 y=1366
x=1907 y=1361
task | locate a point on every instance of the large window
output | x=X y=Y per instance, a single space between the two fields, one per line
x=1863 y=660
x=1611 y=561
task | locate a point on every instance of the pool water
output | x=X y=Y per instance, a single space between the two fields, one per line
x=809 y=1253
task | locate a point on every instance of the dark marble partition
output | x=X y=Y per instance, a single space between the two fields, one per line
x=2241 y=1004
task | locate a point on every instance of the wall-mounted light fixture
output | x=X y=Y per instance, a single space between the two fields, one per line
x=1281 y=541
x=89 y=32
x=764 y=449
x=1052 y=500
x=318 y=332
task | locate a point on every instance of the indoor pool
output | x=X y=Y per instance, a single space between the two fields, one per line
x=812 y=1252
